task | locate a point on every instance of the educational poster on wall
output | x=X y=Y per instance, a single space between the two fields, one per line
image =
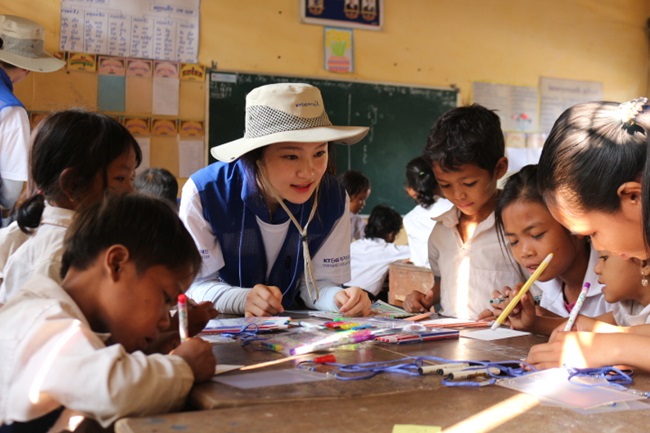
x=559 y=94
x=338 y=50
x=148 y=29
x=361 y=14
x=516 y=106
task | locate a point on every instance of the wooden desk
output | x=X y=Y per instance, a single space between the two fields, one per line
x=375 y=405
x=404 y=278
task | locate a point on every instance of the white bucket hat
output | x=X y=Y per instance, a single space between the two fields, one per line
x=286 y=112
x=21 y=45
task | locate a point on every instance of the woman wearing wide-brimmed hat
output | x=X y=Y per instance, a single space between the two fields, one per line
x=21 y=51
x=270 y=218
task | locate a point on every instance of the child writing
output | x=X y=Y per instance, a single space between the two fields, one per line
x=466 y=147
x=357 y=185
x=531 y=233
x=158 y=182
x=269 y=218
x=595 y=180
x=76 y=345
x=370 y=257
x=421 y=186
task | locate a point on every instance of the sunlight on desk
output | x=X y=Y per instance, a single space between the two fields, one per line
x=494 y=416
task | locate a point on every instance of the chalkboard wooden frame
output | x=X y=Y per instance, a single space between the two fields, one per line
x=399 y=117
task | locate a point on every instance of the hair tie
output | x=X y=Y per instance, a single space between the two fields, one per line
x=421 y=173
x=629 y=110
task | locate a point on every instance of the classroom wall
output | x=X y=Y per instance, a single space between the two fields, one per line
x=423 y=42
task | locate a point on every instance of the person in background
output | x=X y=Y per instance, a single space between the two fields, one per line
x=357 y=186
x=159 y=183
x=74 y=346
x=269 y=217
x=21 y=51
x=467 y=150
x=370 y=256
x=421 y=186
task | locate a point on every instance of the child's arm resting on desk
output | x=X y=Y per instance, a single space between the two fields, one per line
x=587 y=349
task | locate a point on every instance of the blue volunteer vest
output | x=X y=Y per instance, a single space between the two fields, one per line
x=7 y=98
x=231 y=202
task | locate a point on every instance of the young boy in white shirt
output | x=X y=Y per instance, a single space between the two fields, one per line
x=77 y=347
x=466 y=147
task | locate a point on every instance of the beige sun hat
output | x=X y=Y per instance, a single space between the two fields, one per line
x=21 y=45
x=286 y=112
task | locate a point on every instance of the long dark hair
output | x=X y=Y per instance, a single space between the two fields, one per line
x=420 y=178
x=83 y=141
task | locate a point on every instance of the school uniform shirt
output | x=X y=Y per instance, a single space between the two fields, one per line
x=357 y=227
x=418 y=224
x=40 y=254
x=630 y=313
x=11 y=237
x=594 y=304
x=469 y=271
x=331 y=264
x=369 y=260
x=52 y=358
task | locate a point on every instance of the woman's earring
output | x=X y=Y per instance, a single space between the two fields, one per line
x=644 y=279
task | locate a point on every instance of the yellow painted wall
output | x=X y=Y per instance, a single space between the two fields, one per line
x=424 y=42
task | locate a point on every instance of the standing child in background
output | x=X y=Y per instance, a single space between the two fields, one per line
x=74 y=347
x=76 y=157
x=531 y=233
x=21 y=51
x=357 y=186
x=159 y=183
x=421 y=186
x=271 y=220
x=466 y=147
x=370 y=257
x=595 y=179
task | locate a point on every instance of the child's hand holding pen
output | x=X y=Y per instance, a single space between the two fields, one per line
x=198 y=355
x=523 y=315
x=198 y=316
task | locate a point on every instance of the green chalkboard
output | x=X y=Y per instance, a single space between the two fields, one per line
x=399 y=118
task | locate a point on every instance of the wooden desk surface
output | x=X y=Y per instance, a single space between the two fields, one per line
x=375 y=405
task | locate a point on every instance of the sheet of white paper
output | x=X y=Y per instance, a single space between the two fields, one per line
x=223 y=368
x=191 y=157
x=488 y=334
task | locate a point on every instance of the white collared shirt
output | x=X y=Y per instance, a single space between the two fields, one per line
x=419 y=224
x=369 y=260
x=630 y=313
x=469 y=271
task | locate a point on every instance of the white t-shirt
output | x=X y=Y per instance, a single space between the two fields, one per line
x=630 y=313
x=418 y=224
x=594 y=304
x=331 y=264
x=469 y=271
x=14 y=143
x=369 y=260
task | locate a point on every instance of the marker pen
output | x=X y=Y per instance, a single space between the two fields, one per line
x=182 y=317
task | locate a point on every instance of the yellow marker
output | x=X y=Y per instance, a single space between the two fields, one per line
x=524 y=289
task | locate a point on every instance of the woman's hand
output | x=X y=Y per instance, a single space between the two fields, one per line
x=353 y=301
x=263 y=301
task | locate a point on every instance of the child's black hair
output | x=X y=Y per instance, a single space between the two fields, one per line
x=148 y=227
x=589 y=154
x=384 y=222
x=466 y=135
x=420 y=178
x=159 y=183
x=354 y=182
x=80 y=140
